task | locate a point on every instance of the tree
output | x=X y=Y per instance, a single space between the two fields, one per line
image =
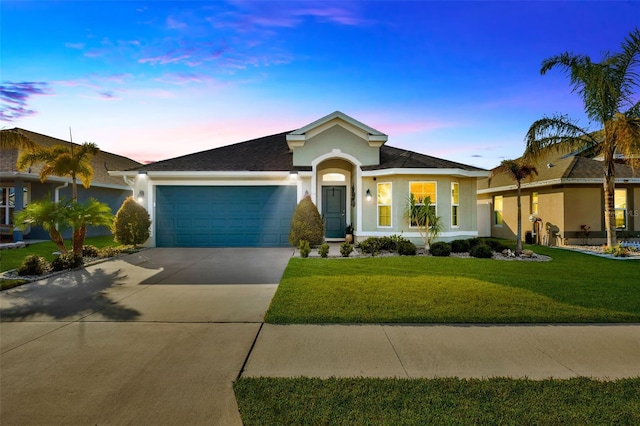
x=63 y=160
x=131 y=224
x=607 y=91
x=517 y=170
x=48 y=214
x=306 y=224
x=89 y=213
x=15 y=139
x=423 y=216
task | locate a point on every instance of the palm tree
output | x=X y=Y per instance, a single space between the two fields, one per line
x=63 y=160
x=607 y=91
x=423 y=215
x=90 y=213
x=14 y=139
x=517 y=170
x=51 y=216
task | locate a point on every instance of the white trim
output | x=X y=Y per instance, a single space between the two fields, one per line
x=416 y=234
x=157 y=182
x=390 y=205
x=455 y=205
x=425 y=171
x=557 y=181
x=433 y=203
x=34 y=178
x=209 y=174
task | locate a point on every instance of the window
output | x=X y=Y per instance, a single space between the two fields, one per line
x=7 y=203
x=420 y=192
x=384 y=204
x=455 y=203
x=333 y=177
x=498 y=220
x=534 y=203
x=620 y=204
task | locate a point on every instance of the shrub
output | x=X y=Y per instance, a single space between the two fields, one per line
x=474 y=242
x=306 y=224
x=90 y=251
x=440 y=249
x=406 y=248
x=323 y=251
x=617 y=251
x=66 y=261
x=34 y=265
x=346 y=249
x=460 y=246
x=109 y=252
x=370 y=246
x=496 y=245
x=481 y=250
x=132 y=223
x=304 y=248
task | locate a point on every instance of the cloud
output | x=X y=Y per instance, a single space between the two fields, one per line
x=77 y=46
x=15 y=97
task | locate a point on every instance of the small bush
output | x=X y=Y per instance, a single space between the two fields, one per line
x=323 y=251
x=346 y=249
x=66 y=261
x=496 y=245
x=482 y=251
x=306 y=224
x=370 y=246
x=440 y=249
x=406 y=248
x=474 y=242
x=131 y=224
x=90 y=251
x=34 y=265
x=617 y=251
x=304 y=248
x=460 y=246
x=109 y=252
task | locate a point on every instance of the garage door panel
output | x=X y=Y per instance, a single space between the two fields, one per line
x=224 y=216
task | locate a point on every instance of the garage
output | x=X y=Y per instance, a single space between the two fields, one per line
x=224 y=216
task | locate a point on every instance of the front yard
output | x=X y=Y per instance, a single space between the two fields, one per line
x=573 y=287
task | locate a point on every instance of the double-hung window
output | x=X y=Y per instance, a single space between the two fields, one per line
x=498 y=219
x=455 y=203
x=421 y=191
x=534 y=203
x=384 y=205
x=620 y=203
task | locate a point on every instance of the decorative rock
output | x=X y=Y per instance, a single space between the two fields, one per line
x=528 y=253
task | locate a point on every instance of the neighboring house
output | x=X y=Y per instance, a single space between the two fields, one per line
x=22 y=187
x=245 y=194
x=563 y=204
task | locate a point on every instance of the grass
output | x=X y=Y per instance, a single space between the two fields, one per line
x=307 y=401
x=12 y=258
x=573 y=287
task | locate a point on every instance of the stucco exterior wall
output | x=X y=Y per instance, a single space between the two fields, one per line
x=336 y=137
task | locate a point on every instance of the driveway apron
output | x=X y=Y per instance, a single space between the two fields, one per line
x=155 y=337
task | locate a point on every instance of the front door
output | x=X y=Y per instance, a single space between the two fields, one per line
x=334 y=210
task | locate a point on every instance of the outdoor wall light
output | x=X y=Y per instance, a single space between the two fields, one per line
x=369 y=195
x=140 y=196
x=293 y=175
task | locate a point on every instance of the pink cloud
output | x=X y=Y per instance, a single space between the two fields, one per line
x=15 y=98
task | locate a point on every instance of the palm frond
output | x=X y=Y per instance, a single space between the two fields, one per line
x=15 y=139
x=557 y=132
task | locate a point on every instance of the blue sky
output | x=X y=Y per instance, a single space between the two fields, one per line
x=157 y=79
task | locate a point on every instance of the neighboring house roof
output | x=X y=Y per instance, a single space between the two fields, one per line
x=559 y=167
x=271 y=153
x=102 y=162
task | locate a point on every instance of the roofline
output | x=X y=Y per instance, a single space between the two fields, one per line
x=343 y=116
x=204 y=174
x=429 y=171
x=31 y=177
x=557 y=181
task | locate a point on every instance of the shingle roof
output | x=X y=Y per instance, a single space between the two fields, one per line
x=271 y=153
x=101 y=163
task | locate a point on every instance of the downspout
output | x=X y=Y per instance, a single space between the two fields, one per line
x=131 y=183
x=56 y=197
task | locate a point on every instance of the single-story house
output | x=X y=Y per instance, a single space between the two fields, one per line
x=245 y=194
x=21 y=187
x=563 y=204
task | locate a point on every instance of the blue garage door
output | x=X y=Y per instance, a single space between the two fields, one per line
x=224 y=216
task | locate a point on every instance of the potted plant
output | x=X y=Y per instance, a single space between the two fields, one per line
x=349 y=233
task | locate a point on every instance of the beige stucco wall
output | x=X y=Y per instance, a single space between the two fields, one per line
x=336 y=137
x=583 y=206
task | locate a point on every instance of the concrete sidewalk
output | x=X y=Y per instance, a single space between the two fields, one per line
x=428 y=351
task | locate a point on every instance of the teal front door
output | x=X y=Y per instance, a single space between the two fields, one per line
x=334 y=203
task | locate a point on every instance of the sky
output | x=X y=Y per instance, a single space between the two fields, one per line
x=152 y=80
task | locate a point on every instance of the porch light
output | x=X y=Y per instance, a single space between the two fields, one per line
x=369 y=195
x=140 y=196
x=293 y=175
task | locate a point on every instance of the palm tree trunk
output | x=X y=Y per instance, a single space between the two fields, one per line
x=78 y=239
x=519 y=226
x=609 y=207
x=56 y=237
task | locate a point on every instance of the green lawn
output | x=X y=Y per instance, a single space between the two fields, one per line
x=573 y=287
x=305 y=401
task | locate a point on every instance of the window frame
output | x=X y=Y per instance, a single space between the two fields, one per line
x=389 y=205
x=535 y=203
x=622 y=209
x=495 y=211
x=434 y=200
x=455 y=206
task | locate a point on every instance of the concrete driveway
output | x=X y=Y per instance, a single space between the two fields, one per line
x=152 y=338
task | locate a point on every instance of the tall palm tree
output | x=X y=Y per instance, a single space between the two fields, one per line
x=63 y=160
x=15 y=139
x=517 y=170
x=607 y=89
